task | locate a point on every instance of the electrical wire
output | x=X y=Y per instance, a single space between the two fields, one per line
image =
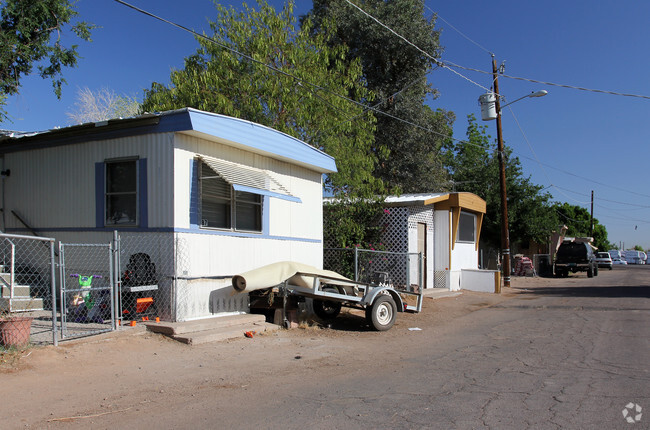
x=367 y=107
x=435 y=60
x=458 y=31
x=536 y=81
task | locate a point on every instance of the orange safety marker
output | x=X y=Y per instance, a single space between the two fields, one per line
x=133 y=323
x=157 y=319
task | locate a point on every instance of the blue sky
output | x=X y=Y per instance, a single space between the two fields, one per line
x=571 y=141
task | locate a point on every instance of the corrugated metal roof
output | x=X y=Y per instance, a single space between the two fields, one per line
x=422 y=198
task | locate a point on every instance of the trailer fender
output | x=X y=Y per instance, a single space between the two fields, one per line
x=369 y=299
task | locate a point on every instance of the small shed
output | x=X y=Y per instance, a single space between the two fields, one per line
x=206 y=196
x=444 y=227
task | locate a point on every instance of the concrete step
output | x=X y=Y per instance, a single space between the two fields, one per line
x=21 y=304
x=212 y=329
x=19 y=290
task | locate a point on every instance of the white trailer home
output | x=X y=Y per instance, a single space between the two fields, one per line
x=206 y=196
x=445 y=228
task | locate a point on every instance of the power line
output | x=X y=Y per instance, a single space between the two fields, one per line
x=458 y=31
x=275 y=69
x=364 y=106
x=437 y=61
x=536 y=81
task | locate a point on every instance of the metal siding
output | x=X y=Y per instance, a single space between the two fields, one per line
x=288 y=219
x=65 y=178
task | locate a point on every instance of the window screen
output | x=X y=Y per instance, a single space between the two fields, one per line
x=121 y=192
x=222 y=207
x=466 y=227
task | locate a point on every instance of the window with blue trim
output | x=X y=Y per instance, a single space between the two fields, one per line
x=225 y=208
x=121 y=193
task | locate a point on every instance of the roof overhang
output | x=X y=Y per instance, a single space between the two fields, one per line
x=227 y=130
x=466 y=201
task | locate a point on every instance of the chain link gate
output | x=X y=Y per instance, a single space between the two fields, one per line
x=87 y=289
x=27 y=291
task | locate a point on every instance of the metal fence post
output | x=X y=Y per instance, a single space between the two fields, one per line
x=356 y=264
x=61 y=289
x=55 y=339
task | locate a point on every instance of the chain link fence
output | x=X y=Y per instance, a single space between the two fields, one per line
x=400 y=270
x=87 y=293
x=27 y=291
x=148 y=267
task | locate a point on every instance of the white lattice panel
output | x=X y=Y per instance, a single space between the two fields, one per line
x=420 y=214
x=395 y=229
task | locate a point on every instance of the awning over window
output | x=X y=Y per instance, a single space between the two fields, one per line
x=249 y=179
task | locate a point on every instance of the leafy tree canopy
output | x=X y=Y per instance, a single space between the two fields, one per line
x=474 y=167
x=578 y=221
x=396 y=73
x=277 y=89
x=30 y=34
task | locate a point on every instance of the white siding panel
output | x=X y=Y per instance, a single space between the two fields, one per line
x=287 y=219
x=217 y=255
x=442 y=246
x=63 y=178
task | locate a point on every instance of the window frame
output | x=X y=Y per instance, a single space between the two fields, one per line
x=233 y=203
x=135 y=192
x=464 y=226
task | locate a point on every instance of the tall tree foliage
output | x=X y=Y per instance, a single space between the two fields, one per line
x=224 y=81
x=219 y=80
x=396 y=72
x=474 y=167
x=30 y=34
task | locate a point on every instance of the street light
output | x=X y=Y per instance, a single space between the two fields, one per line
x=491 y=109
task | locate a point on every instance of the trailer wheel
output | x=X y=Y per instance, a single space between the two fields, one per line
x=381 y=315
x=327 y=309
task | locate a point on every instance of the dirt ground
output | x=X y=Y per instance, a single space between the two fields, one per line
x=68 y=385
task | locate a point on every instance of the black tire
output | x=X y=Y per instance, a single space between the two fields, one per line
x=327 y=309
x=595 y=270
x=590 y=272
x=381 y=315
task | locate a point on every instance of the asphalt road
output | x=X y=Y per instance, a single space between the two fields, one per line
x=567 y=353
x=571 y=355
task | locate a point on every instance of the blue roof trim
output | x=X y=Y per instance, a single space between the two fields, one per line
x=266 y=193
x=258 y=137
x=261 y=138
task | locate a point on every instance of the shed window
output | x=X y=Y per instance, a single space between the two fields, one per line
x=466 y=227
x=223 y=207
x=121 y=193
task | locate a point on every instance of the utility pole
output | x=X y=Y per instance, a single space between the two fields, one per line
x=591 y=222
x=505 y=235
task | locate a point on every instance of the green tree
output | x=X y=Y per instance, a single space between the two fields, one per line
x=396 y=73
x=224 y=81
x=30 y=34
x=578 y=222
x=474 y=167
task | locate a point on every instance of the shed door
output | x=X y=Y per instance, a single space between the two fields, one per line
x=422 y=249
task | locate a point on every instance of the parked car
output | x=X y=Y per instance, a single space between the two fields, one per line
x=619 y=261
x=604 y=260
x=575 y=257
